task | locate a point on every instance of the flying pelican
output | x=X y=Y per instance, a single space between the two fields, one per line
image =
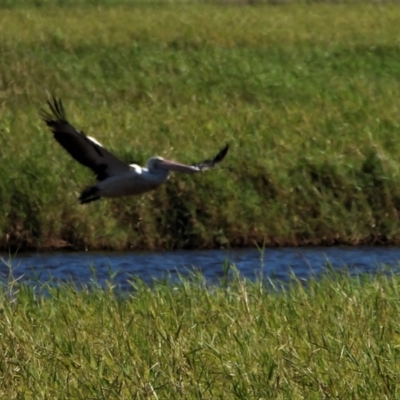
x=115 y=178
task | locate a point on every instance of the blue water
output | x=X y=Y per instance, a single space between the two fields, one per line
x=273 y=264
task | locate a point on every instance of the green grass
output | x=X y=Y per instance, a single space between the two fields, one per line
x=334 y=338
x=307 y=97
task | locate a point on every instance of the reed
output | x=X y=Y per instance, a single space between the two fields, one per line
x=335 y=337
x=306 y=95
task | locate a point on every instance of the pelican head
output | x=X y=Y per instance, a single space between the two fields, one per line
x=152 y=164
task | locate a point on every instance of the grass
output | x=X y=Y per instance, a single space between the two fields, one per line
x=307 y=96
x=336 y=337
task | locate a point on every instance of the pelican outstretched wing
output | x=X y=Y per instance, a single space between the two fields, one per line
x=84 y=149
x=190 y=169
x=212 y=163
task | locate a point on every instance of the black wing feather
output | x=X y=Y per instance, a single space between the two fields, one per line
x=211 y=163
x=79 y=146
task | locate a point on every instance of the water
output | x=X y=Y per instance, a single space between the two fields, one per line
x=275 y=264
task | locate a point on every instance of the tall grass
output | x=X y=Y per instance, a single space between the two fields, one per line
x=337 y=337
x=307 y=96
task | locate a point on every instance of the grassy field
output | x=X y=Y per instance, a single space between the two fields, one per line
x=335 y=338
x=307 y=97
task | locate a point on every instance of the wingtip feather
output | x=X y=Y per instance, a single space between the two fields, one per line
x=221 y=155
x=56 y=114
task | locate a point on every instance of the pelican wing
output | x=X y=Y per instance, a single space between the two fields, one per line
x=82 y=148
x=190 y=169
x=212 y=163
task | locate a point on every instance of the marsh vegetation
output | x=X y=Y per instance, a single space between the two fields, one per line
x=337 y=337
x=306 y=95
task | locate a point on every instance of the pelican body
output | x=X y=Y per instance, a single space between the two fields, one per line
x=115 y=178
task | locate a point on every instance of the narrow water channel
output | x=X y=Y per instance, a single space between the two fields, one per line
x=275 y=264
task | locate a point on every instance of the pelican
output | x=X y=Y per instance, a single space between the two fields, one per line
x=115 y=178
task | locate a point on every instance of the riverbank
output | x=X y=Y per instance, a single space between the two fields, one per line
x=306 y=96
x=335 y=337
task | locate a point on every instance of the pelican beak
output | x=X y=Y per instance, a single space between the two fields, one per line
x=175 y=166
